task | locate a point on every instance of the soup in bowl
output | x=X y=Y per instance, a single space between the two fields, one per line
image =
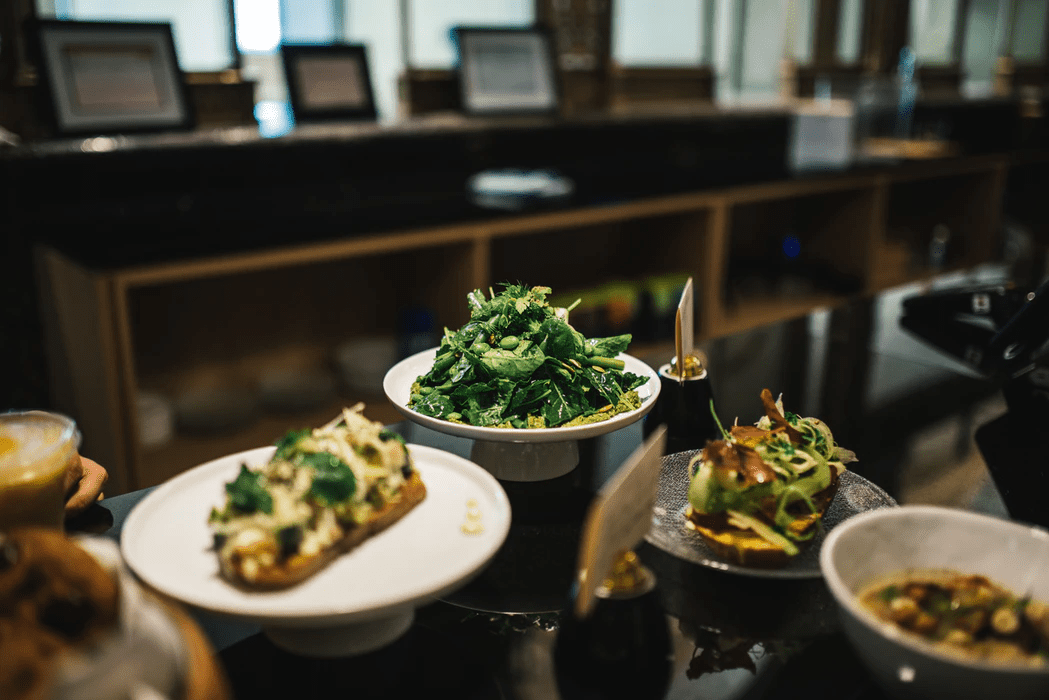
x=943 y=603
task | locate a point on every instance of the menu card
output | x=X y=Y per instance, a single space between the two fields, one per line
x=684 y=335
x=619 y=517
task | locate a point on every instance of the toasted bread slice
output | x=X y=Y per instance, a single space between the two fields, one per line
x=256 y=567
x=746 y=547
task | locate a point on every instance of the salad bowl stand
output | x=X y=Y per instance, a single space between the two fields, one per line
x=512 y=454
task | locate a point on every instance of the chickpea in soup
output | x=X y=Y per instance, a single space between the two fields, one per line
x=963 y=614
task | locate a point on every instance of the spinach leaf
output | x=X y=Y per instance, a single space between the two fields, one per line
x=333 y=480
x=557 y=370
x=507 y=363
x=465 y=391
x=605 y=383
x=434 y=404
x=562 y=341
x=476 y=300
x=526 y=396
x=464 y=371
x=629 y=380
x=609 y=347
x=493 y=415
x=557 y=409
x=247 y=494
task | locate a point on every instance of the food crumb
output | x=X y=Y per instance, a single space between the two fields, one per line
x=473 y=525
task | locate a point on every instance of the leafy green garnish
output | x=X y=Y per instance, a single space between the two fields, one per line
x=561 y=339
x=288 y=445
x=724 y=433
x=889 y=593
x=433 y=404
x=938 y=603
x=507 y=363
x=607 y=347
x=247 y=494
x=386 y=434
x=333 y=480
x=517 y=363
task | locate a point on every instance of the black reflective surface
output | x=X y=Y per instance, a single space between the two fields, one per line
x=908 y=412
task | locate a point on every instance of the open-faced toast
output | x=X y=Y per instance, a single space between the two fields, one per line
x=758 y=496
x=324 y=492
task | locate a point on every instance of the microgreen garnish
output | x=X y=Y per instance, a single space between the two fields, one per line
x=724 y=433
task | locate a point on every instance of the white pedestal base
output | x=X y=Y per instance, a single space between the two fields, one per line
x=526 y=461
x=344 y=640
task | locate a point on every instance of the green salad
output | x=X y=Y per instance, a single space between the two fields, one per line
x=518 y=363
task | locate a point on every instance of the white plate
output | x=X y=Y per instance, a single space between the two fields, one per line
x=167 y=542
x=398 y=387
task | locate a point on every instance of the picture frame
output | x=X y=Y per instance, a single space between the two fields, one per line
x=329 y=82
x=111 y=77
x=507 y=71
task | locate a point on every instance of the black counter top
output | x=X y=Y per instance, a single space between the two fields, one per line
x=907 y=411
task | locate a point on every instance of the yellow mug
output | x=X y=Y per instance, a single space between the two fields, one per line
x=36 y=448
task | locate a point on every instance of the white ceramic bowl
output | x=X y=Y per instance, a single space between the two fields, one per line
x=888 y=540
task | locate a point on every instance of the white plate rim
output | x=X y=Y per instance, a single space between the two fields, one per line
x=271 y=607
x=399 y=379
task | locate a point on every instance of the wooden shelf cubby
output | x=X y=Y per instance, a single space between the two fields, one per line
x=228 y=319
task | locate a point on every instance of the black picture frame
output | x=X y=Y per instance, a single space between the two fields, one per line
x=507 y=71
x=329 y=82
x=111 y=77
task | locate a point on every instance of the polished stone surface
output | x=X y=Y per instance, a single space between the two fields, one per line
x=906 y=410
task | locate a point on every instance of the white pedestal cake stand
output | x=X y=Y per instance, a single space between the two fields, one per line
x=518 y=454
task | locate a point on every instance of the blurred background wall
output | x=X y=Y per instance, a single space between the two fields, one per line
x=752 y=48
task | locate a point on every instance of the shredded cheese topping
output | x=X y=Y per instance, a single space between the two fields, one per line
x=295 y=520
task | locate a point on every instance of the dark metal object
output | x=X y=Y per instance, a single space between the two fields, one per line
x=998 y=330
x=685 y=406
x=622 y=650
x=1002 y=332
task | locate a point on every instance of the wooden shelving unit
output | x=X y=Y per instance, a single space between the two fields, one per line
x=762 y=312
x=186 y=451
x=174 y=326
